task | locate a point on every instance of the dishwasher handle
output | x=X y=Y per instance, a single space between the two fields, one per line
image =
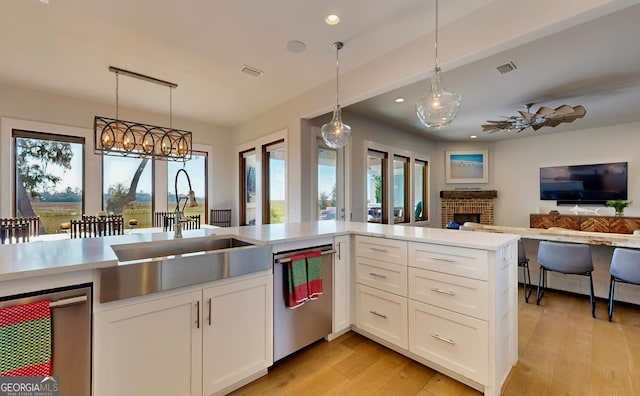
x=285 y=260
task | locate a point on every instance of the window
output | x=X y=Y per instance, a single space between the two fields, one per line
x=400 y=189
x=197 y=170
x=420 y=190
x=376 y=187
x=127 y=188
x=327 y=183
x=248 y=188
x=49 y=177
x=274 y=176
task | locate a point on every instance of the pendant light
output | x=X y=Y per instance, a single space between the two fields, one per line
x=439 y=107
x=336 y=134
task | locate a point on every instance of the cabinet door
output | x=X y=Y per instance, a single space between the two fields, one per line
x=457 y=342
x=237 y=332
x=341 y=284
x=382 y=314
x=149 y=348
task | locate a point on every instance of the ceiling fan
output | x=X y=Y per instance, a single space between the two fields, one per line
x=545 y=116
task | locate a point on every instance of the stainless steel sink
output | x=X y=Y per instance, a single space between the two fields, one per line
x=176 y=247
x=150 y=267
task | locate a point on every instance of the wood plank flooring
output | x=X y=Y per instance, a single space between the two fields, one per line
x=562 y=351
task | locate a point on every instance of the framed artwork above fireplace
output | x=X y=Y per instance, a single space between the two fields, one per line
x=467 y=166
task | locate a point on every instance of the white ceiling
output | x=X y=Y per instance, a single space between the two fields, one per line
x=66 y=47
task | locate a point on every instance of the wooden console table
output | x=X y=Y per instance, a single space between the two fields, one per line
x=590 y=223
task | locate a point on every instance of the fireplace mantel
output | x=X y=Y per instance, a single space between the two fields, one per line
x=469 y=194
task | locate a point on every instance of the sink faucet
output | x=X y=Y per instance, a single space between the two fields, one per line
x=179 y=214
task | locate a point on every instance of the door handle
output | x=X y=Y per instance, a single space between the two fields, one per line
x=209 y=311
x=198 y=314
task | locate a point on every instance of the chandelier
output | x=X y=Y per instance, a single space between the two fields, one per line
x=336 y=134
x=136 y=140
x=439 y=107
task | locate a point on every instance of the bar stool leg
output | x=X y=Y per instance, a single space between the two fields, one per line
x=541 y=276
x=612 y=286
x=591 y=298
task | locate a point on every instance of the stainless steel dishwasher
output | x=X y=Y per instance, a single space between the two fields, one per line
x=71 y=334
x=296 y=328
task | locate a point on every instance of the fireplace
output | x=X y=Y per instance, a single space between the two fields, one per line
x=467 y=205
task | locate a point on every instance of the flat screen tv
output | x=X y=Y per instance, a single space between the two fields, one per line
x=584 y=184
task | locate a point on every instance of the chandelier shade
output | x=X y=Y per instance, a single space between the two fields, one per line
x=439 y=107
x=336 y=134
x=136 y=140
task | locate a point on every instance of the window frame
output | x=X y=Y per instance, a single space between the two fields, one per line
x=406 y=187
x=242 y=215
x=425 y=189
x=18 y=133
x=266 y=173
x=384 y=176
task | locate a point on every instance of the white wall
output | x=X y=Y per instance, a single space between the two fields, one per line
x=46 y=112
x=516 y=165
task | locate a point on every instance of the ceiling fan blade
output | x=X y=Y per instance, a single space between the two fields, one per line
x=552 y=123
x=538 y=126
x=544 y=112
x=490 y=128
x=564 y=110
x=579 y=111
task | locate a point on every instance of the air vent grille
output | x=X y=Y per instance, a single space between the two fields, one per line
x=252 y=71
x=506 y=68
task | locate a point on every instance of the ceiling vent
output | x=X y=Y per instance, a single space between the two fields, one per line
x=506 y=68
x=252 y=71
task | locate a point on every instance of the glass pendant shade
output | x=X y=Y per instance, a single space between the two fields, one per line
x=439 y=107
x=336 y=134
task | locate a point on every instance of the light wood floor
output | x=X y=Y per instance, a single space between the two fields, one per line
x=562 y=351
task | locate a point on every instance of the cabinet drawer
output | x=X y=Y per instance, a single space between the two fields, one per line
x=382 y=314
x=454 y=341
x=389 y=250
x=470 y=263
x=382 y=275
x=455 y=293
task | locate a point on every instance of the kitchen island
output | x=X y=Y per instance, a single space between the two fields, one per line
x=481 y=267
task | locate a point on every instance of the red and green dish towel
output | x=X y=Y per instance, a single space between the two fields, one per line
x=303 y=278
x=25 y=340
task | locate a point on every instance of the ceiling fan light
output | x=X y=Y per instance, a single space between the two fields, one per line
x=439 y=107
x=336 y=134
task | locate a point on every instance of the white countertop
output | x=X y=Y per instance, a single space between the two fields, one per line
x=43 y=258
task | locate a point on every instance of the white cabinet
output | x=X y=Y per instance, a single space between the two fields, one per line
x=382 y=314
x=463 y=311
x=235 y=343
x=454 y=341
x=452 y=308
x=149 y=348
x=381 y=289
x=196 y=343
x=341 y=285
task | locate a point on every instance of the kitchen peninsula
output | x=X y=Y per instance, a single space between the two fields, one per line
x=467 y=331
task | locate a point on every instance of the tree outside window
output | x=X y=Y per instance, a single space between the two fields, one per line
x=48 y=178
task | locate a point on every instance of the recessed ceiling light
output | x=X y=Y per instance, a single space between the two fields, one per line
x=399 y=100
x=332 y=19
x=472 y=137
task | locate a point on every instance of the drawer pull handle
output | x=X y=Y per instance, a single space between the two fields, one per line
x=198 y=314
x=448 y=341
x=377 y=275
x=443 y=259
x=379 y=314
x=447 y=292
x=378 y=250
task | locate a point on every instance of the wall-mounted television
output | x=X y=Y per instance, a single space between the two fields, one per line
x=584 y=184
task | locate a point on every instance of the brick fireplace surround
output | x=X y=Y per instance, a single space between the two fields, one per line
x=467 y=202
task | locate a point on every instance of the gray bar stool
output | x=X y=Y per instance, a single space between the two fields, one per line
x=566 y=258
x=625 y=267
x=523 y=262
